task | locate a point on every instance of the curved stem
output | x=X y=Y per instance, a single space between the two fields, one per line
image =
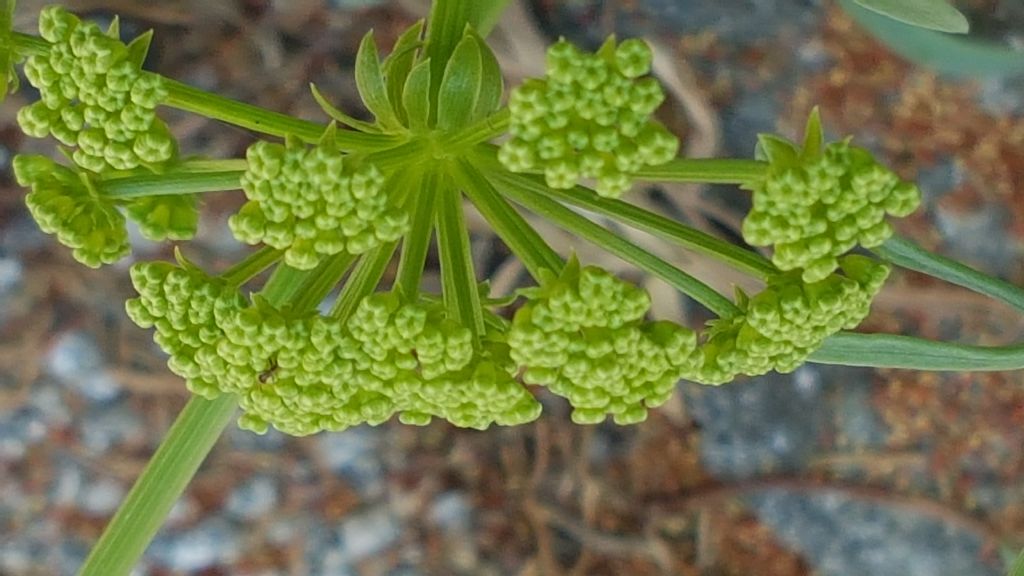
x=893 y=351
x=565 y=218
x=905 y=253
x=706 y=171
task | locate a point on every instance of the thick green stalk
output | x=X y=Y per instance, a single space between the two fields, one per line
x=905 y=253
x=171 y=183
x=893 y=351
x=510 y=226
x=172 y=467
x=604 y=238
x=705 y=170
x=163 y=480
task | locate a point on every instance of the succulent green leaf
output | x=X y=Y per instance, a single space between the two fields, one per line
x=371 y=84
x=492 y=82
x=416 y=96
x=461 y=86
x=399 y=63
x=937 y=15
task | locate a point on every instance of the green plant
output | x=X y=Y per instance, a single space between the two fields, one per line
x=340 y=200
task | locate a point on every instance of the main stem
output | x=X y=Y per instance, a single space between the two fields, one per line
x=162 y=481
x=172 y=467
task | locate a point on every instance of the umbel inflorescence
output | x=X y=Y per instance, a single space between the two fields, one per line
x=332 y=206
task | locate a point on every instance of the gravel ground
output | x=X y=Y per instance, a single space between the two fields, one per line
x=826 y=471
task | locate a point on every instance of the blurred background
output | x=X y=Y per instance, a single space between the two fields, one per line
x=827 y=471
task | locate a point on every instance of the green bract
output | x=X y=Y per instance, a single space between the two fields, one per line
x=813 y=206
x=95 y=97
x=583 y=336
x=589 y=118
x=313 y=202
x=786 y=322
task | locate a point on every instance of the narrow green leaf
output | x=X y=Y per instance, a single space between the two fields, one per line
x=937 y=15
x=399 y=63
x=461 y=86
x=492 y=83
x=962 y=56
x=138 y=49
x=336 y=114
x=371 y=84
x=416 y=96
x=363 y=280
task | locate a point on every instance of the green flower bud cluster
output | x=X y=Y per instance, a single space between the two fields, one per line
x=816 y=209
x=312 y=203
x=787 y=321
x=187 y=309
x=65 y=203
x=68 y=203
x=306 y=373
x=583 y=336
x=426 y=363
x=590 y=118
x=95 y=97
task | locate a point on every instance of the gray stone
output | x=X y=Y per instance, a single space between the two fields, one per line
x=255 y=498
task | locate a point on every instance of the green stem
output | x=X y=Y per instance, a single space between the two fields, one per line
x=905 y=253
x=582 y=197
x=460 y=291
x=363 y=281
x=893 y=351
x=706 y=171
x=163 y=480
x=251 y=266
x=171 y=183
x=190 y=99
x=172 y=467
x=416 y=243
x=29 y=45
x=599 y=236
x=511 y=227
x=325 y=278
